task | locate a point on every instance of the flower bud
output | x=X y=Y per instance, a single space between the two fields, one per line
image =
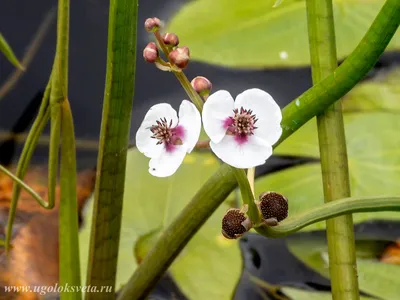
x=152 y=24
x=201 y=85
x=150 y=52
x=235 y=224
x=180 y=57
x=171 y=39
x=274 y=207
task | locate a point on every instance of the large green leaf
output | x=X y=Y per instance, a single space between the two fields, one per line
x=8 y=53
x=380 y=94
x=255 y=34
x=375 y=278
x=209 y=266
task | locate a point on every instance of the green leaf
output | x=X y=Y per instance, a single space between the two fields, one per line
x=255 y=34
x=297 y=294
x=150 y=204
x=375 y=278
x=379 y=94
x=9 y=54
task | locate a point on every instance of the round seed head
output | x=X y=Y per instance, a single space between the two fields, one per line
x=232 y=226
x=273 y=206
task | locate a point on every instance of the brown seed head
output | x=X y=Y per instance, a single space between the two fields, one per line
x=180 y=57
x=152 y=24
x=273 y=206
x=232 y=226
x=150 y=52
x=171 y=39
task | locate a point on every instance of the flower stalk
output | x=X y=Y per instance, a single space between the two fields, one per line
x=219 y=186
x=332 y=145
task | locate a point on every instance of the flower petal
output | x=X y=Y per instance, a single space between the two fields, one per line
x=190 y=120
x=218 y=107
x=248 y=155
x=167 y=163
x=145 y=144
x=267 y=112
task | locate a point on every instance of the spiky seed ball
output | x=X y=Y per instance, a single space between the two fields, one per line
x=273 y=205
x=232 y=223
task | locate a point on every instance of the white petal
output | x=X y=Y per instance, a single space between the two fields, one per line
x=147 y=145
x=144 y=142
x=267 y=111
x=190 y=120
x=248 y=155
x=158 y=111
x=167 y=163
x=218 y=107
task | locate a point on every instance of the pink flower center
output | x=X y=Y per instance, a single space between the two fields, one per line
x=241 y=125
x=167 y=135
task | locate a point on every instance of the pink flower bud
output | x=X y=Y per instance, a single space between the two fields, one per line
x=150 y=52
x=201 y=85
x=180 y=57
x=152 y=24
x=171 y=39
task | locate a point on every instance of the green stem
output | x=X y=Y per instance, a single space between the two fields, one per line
x=332 y=145
x=114 y=138
x=69 y=229
x=26 y=155
x=297 y=113
x=196 y=99
x=23 y=185
x=9 y=54
x=330 y=210
x=247 y=195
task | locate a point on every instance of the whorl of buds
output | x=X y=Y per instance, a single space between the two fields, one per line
x=180 y=57
x=150 y=52
x=274 y=207
x=170 y=39
x=235 y=224
x=201 y=85
x=152 y=24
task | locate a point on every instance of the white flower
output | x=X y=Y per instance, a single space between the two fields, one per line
x=166 y=139
x=243 y=131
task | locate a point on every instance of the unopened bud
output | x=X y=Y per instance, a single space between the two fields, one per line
x=171 y=39
x=274 y=207
x=150 y=52
x=201 y=85
x=235 y=224
x=180 y=57
x=152 y=24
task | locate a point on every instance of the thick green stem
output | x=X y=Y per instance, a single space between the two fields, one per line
x=330 y=210
x=114 y=138
x=332 y=145
x=69 y=229
x=297 y=113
